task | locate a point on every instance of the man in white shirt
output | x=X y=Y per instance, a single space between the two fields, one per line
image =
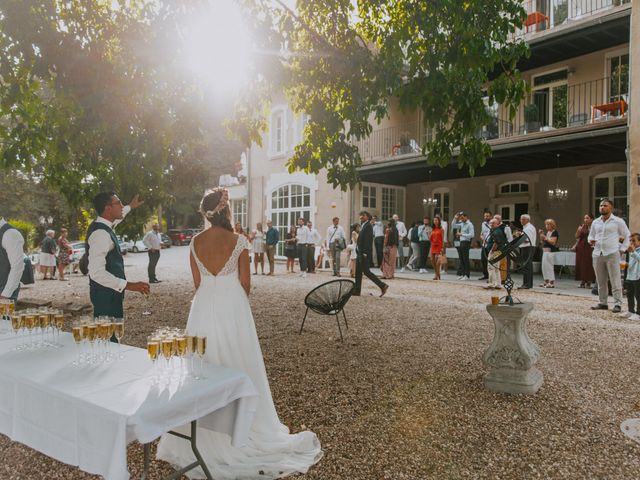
x=314 y=240
x=11 y=260
x=378 y=240
x=485 y=230
x=302 y=239
x=153 y=241
x=337 y=241
x=402 y=232
x=107 y=281
x=527 y=248
x=609 y=237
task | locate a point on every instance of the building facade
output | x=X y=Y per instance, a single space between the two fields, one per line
x=570 y=143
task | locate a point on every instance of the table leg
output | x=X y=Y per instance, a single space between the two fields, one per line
x=177 y=474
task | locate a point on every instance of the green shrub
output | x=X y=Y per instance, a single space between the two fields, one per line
x=28 y=231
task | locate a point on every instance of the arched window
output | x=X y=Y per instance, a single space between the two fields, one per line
x=611 y=185
x=513 y=187
x=288 y=203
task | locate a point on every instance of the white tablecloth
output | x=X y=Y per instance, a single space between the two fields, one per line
x=86 y=416
x=565 y=258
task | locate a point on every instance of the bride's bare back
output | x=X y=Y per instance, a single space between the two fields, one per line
x=213 y=247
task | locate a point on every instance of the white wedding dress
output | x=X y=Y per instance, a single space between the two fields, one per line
x=221 y=311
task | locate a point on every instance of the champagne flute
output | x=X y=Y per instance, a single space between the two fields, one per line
x=182 y=351
x=191 y=351
x=167 y=351
x=118 y=331
x=201 y=349
x=153 y=350
x=76 y=331
x=146 y=310
x=104 y=327
x=16 y=325
x=30 y=322
x=59 y=325
x=91 y=332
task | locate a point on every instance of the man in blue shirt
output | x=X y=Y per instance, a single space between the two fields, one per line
x=273 y=237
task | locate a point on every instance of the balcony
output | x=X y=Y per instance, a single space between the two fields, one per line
x=562 y=108
x=555 y=110
x=546 y=15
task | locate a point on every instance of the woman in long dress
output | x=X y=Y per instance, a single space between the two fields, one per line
x=584 y=251
x=391 y=240
x=221 y=311
x=257 y=240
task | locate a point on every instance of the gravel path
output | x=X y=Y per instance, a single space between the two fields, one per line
x=403 y=398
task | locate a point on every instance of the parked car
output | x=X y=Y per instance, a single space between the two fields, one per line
x=78 y=248
x=124 y=246
x=166 y=241
x=138 y=247
x=180 y=236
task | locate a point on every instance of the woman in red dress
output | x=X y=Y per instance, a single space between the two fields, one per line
x=437 y=246
x=584 y=260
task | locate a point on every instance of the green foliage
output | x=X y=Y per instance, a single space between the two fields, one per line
x=28 y=231
x=345 y=59
x=92 y=98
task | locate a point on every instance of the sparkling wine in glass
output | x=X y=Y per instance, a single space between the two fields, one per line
x=118 y=331
x=76 y=331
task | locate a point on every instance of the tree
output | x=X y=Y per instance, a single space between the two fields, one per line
x=341 y=61
x=92 y=98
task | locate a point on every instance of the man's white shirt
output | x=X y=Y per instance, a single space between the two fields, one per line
x=13 y=243
x=378 y=229
x=100 y=244
x=402 y=229
x=607 y=233
x=302 y=235
x=334 y=233
x=152 y=240
x=314 y=237
x=530 y=230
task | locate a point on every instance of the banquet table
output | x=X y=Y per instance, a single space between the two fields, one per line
x=86 y=416
x=474 y=253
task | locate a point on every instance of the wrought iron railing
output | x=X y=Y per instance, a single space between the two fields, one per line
x=548 y=14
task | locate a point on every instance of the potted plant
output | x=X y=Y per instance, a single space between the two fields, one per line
x=531 y=118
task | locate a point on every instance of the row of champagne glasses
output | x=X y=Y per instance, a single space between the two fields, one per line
x=42 y=327
x=7 y=307
x=171 y=346
x=93 y=336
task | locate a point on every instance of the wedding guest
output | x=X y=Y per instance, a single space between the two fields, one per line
x=424 y=241
x=237 y=228
x=485 y=229
x=11 y=260
x=549 y=239
x=364 y=251
x=391 y=238
x=302 y=245
x=314 y=239
x=465 y=235
x=414 y=239
x=64 y=253
x=47 y=256
x=337 y=242
x=290 y=250
x=257 y=241
x=609 y=237
x=437 y=246
x=456 y=225
x=584 y=253
x=107 y=280
x=508 y=233
x=443 y=257
x=272 y=239
x=352 y=249
x=527 y=250
x=402 y=233
x=378 y=240
x=321 y=251
x=633 y=278
x=495 y=240
x=153 y=241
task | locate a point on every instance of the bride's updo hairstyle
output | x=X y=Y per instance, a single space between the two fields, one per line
x=215 y=208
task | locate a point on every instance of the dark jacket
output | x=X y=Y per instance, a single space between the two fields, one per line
x=365 y=240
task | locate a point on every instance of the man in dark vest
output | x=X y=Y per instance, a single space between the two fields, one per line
x=11 y=260
x=107 y=281
x=364 y=250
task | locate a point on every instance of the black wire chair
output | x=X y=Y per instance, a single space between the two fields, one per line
x=330 y=299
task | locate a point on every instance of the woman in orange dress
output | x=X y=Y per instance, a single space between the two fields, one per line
x=437 y=246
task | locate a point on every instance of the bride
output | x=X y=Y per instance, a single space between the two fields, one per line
x=221 y=311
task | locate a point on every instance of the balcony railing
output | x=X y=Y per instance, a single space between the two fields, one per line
x=563 y=106
x=550 y=109
x=548 y=14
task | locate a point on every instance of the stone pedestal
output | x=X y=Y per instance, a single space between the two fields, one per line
x=512 y=354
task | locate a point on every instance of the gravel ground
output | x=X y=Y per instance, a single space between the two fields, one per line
x=403 y=397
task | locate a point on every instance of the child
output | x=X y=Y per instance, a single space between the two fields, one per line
x=633 y=278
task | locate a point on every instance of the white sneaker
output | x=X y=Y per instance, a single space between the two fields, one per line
x=422 y=270
x=634 y=316
x=465 y=278
x=461 y=277
x=402 y=270
x=628 y=314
